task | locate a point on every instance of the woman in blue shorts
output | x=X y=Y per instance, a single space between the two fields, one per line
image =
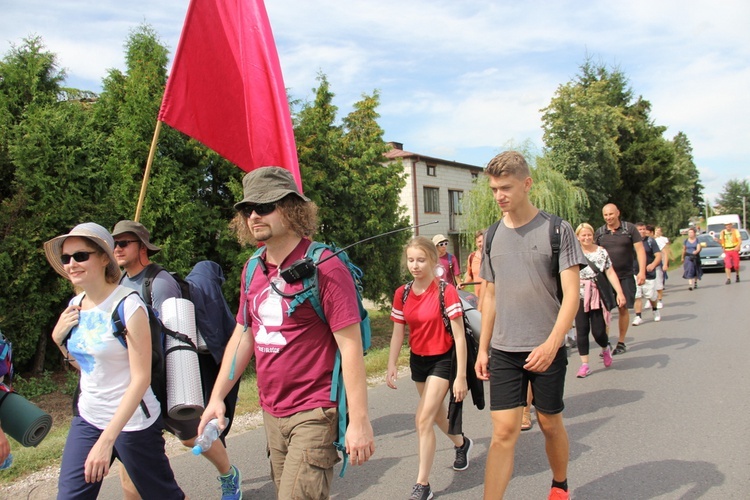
x=117 y=414
x=417 y=304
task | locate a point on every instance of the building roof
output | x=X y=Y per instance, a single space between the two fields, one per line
x=396 y=152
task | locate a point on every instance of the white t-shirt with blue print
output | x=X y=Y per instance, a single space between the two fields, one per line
x=104 y=363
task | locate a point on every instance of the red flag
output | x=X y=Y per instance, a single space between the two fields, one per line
x=226 y=88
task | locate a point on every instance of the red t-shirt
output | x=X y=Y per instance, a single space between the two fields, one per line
x=427 y=334
x=451 y=269
x=294 y=355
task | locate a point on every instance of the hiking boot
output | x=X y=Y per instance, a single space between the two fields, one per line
x=657 y=315
x=659 y=305
x=607 y=356
x=637 y=321
x=558 y=494
x=421 y=492
x=462 y=455
x=584 y=371
x=620 y=349
x=230 y=484
x=728 y=282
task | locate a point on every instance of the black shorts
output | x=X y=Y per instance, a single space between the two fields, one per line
x=628 y=288
x=425 y=366
x=509 y=382
x=186 y=430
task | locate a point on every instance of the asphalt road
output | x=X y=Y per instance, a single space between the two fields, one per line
x=666 y=421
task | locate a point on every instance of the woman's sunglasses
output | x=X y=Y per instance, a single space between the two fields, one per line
x=261 y=209
x=78 y=257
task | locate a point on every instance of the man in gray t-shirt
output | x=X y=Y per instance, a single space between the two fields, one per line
x=132 y=252
x=525 y=324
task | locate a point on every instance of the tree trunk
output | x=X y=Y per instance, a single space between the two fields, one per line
x=37 y=367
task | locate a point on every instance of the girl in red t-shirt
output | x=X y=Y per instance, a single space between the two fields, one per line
x=431 y=355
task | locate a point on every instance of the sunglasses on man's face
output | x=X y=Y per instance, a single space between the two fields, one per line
x=443 y=244
x=78 y=257
x=124 y=243
x=261 y=209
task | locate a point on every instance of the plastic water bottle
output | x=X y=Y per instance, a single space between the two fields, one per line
x=8 y=462
x=210 y=434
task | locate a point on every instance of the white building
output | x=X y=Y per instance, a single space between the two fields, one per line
x=434 y=191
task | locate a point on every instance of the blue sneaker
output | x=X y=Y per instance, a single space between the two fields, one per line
x=230 y=485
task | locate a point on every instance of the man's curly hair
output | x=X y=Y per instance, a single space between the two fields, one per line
x=300 y=216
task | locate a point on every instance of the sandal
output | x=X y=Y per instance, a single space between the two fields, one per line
x=526 y=421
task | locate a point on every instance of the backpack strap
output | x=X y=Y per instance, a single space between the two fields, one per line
x=488 y=237
x=555 y=239
x=151 y=271
x=450 y=268
x=446 y=320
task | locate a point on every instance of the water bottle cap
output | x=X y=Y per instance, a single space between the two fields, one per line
x=196 y=450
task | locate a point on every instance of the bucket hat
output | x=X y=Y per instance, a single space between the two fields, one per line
x=138 y=229
x=266 y=185
x=95 y=233
x=438 y=238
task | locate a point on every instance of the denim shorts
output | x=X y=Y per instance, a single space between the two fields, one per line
x=509 y=382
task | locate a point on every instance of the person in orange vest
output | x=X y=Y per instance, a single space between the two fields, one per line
x=731 y=241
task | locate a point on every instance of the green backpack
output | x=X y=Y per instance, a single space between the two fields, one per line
x=310 y=292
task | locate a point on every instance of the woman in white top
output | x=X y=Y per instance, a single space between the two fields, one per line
x=117 y=414
x=592 y=316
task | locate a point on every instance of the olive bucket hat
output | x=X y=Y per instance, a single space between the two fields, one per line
x=267 y=185
x=138 y=229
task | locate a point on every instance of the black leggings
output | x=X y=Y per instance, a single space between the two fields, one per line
x=594 y=321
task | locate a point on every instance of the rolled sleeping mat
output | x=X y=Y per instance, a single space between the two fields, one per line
x=184 y=389
x=23 y=420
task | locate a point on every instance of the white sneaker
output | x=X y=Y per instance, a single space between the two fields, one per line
x=637 y=321
x=659 y=305
x=657 y=315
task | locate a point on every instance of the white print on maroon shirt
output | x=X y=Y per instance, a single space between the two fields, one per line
x=270 y=317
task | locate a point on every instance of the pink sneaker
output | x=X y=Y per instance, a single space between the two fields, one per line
x=583 y=371
x=558 y=494
x=607 y=356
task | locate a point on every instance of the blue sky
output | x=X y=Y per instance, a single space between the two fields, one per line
x=462 y=79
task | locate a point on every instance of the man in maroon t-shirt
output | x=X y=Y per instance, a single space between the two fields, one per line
x=294 y=353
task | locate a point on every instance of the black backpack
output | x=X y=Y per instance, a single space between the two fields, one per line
x=158 y=351
x=202 y=287
x=554 y=239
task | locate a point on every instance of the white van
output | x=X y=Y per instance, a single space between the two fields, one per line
x=715 y=224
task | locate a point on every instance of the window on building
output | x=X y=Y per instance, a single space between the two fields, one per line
x=456 y=202
x=431 y=170
x=431 y=200
x=474 y=176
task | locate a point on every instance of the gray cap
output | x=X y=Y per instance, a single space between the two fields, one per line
x=138 y=229
x=266 y=185
x=90 y=230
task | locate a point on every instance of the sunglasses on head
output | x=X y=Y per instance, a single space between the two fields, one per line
x=124 y=243
x=443 y=244
x=260 y=209
x=78 y=257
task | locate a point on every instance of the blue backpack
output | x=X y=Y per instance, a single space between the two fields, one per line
x=6 y=364
x=310 y=292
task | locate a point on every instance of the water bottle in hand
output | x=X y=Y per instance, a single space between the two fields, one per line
x=8 y=462
x=210 y=434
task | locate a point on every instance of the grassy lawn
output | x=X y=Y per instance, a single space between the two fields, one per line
x=49 y=452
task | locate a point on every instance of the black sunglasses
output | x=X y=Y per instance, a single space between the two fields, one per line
x=260 y=209
x=78 y=257
x=124 y=243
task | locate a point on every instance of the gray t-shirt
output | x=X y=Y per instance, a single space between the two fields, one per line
x=164 y=287
x=526 y=304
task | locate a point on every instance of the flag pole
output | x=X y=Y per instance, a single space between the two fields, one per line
x=147 y=173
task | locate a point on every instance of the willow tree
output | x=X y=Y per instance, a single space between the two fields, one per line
x=550 y=191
